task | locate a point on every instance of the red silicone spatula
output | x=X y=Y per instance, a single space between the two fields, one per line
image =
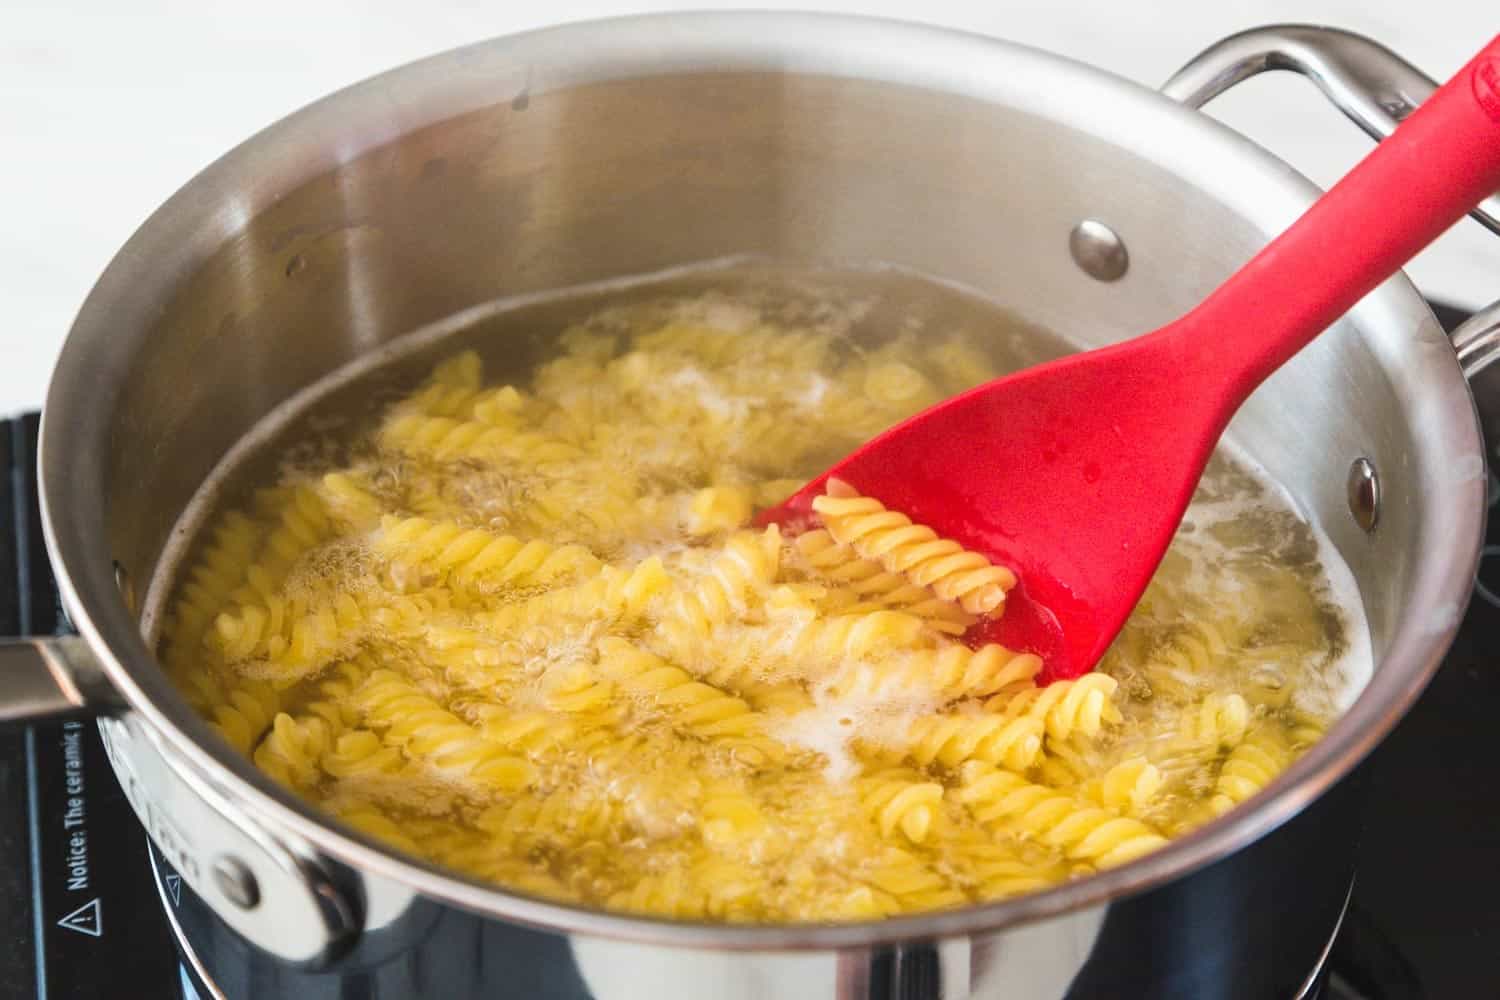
x=1076 y=473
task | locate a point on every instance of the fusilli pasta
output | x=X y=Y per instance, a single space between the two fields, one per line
x=526 y=630
x=913 y=550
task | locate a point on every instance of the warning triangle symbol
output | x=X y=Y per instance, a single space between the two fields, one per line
x=174 y=888
x=87 y=919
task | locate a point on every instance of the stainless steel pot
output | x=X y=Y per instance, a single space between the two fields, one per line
x=1086 y=203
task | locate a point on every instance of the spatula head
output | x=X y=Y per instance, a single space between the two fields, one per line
x=1074 y=474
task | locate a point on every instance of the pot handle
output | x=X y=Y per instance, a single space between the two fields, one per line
x=54 y=677
x=1369 y=83
x=1373 y=86
x=48 y=673
x=1478 y=340
x=267 y=884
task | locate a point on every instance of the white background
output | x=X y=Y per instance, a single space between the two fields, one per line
x=106 y=108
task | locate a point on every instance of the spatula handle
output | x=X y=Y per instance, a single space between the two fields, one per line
x=1440 y=163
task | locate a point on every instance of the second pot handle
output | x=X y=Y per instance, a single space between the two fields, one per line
x=1368 y=82
x=1478 y=340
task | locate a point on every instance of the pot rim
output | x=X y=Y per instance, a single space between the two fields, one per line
x=338 y=128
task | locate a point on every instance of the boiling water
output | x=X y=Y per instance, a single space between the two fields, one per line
x=503 y=721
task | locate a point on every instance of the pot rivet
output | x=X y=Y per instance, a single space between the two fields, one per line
x=127 y=588
x=1364 y=493
x=1099 y=250
x=236 y=882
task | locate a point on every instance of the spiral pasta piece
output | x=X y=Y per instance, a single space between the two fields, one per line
x=430 y=733
x=689 y=896
x=1219 y=720
x=1064 y=763
x=950 y=671
x=746 y=565
x=816 y=650
x=868 y=581
x=578 y=691
x=532 y=733
x=731 y=817
x=701 y=709
x=250 y=628
x=468 y=850
x=335 y=686
x=785 y=698
x=219 y=571
x=913 y=550
x=360 y=753
x=1007 y=876
x=296 y=634
x=499 y=407
x=911 y=882
x=405 y=616
x=444 y=439
x=998 y=867
x=901 y=799
x=716 y=509
x=292 y=751
x=951 y=740
x=450 y=389
x=612 y=594
x=1250 y=767
x=1079 y=706
x=294 y=638
x=369 y=820
x=349 y=500
x=257 y=609
x=1193 y=648
x=245 y=714
x=522 y=825
x=1096 y=835
x=846 y=637
x=474 y=558
x=301 y=523
x=1305 y=730
x=1127 y=787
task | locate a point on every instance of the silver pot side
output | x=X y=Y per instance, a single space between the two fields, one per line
x=1256 y=924
x=599 y=150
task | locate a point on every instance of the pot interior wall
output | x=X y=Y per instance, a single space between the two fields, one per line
x=599 y=180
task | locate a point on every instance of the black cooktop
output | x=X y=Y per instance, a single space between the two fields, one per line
x=1425 y=917
x=81 y=915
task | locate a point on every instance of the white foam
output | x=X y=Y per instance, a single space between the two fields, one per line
x=812 y=397
x=731 y=409
x=1354 y=667
x=835 y=723
x=821 y=730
